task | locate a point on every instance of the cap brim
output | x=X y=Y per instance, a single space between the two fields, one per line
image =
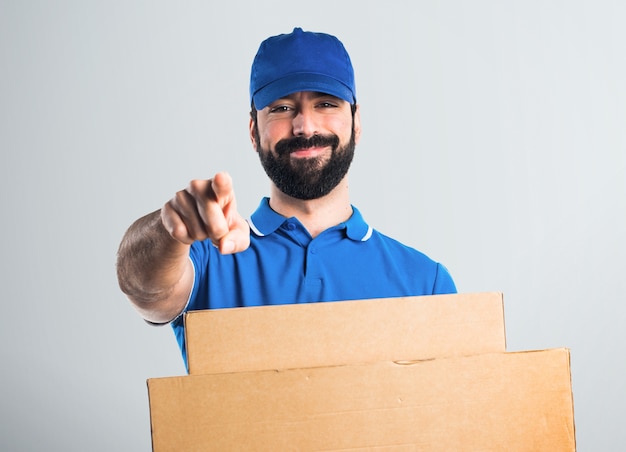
x=294 y=83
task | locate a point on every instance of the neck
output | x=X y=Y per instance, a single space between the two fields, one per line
x=316 y=215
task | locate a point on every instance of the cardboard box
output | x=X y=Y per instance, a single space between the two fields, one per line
x=489 y=402
x=347 y=332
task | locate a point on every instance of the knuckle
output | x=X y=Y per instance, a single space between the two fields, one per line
x=197 y=188
x=179 y=201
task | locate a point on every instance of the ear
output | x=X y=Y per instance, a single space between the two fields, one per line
x=357 y=124
x=252 y=135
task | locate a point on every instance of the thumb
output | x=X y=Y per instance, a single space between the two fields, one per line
x=238 y=237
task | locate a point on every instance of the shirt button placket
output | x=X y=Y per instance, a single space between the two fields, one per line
x=313 y=275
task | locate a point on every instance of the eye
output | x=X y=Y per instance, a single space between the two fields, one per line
x=327 y=104
x=280 y=108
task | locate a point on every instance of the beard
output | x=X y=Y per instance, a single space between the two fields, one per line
x=307 y=178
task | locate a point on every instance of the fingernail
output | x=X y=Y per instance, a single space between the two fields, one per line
x=228 y=247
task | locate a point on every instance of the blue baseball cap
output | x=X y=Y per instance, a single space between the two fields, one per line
x=301 y=61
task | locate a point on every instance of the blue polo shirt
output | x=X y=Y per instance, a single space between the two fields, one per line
x=285 y=265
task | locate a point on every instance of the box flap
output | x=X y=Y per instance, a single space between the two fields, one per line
x=327 y=334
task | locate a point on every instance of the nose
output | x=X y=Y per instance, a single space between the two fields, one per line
x=304 y=124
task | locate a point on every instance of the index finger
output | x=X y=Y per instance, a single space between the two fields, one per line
x=222 y=186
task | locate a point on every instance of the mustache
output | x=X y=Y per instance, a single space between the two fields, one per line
x=289 y=145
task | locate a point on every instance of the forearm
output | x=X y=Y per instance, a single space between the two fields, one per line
x=153 y=269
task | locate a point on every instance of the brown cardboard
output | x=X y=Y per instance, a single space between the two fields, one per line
x=491 y=402
x=347 y=332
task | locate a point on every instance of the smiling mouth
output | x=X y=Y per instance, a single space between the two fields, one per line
x=308 y=152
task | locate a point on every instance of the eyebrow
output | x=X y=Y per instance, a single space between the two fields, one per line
x=314 y=95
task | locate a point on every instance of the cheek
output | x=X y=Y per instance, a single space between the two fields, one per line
x=271 y=133
x=343 y=129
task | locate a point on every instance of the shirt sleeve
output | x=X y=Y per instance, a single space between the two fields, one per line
x=444 y=283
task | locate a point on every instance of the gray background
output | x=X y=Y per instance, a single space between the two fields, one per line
x=494 y=138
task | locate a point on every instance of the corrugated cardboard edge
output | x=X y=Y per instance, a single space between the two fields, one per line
x=333 y=333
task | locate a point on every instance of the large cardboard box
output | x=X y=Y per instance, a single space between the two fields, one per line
x=418 y=373
x=348 y=332
x=488 y=402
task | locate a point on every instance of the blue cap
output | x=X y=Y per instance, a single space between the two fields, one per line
x=301 y=61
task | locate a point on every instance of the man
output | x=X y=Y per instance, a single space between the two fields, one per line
x=306 y=242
